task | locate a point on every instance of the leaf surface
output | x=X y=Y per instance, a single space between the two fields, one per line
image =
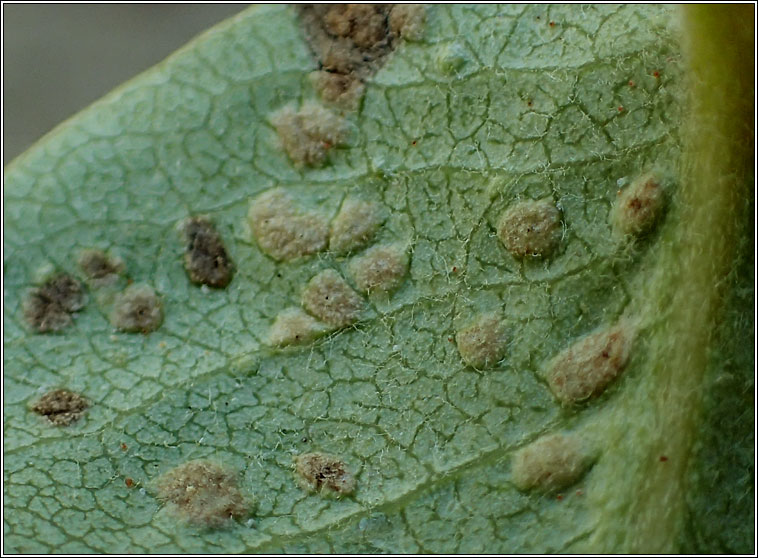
x=492 y=105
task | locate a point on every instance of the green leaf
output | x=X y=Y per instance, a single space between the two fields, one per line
x=428 y=388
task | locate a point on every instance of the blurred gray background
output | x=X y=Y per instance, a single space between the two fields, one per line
x=57 y=59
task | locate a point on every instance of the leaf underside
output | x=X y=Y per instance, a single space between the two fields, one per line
x=491 y=105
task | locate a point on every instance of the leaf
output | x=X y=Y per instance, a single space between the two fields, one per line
x=480 y=109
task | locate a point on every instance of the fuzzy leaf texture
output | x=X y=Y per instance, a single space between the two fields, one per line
x=379 y=357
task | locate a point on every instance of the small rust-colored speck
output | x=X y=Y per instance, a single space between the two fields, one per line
x=455 y=269
x=559 y=497
x=529 y=103
x=450 y=339
x=621 y=109
x=124 y=447
x=579 y=493
x=663 y=459
x=631 y=83
x=128 y=482
x=413 y=142
x=656 y=74
x=552 y=24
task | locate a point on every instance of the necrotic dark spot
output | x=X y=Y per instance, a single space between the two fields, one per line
x=98 y=267
x=206 y=259
x=61 y=407
x=49 y=307
x=348 y=38
x=352 y=41
x=326 y=474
